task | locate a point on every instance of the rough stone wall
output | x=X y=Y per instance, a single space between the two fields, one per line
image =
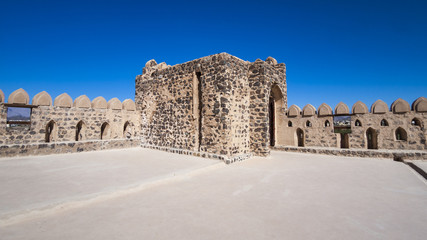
x=64 y=116
x=319 y=135
x=230 y=107
x=416 y=135
x=66 y=120
x=315 y=135
x=218 y=106
x=262 y=77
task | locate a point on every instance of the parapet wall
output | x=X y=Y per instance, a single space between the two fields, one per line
x=400 y=127
x=218 y=106
x=66 y=121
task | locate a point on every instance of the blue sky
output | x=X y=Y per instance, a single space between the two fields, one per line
x=334 y=50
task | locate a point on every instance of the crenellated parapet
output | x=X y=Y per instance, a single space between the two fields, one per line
x=400 y=126
x=399 y=106
x=65 y=120
x=218 y=105
x=64 y=100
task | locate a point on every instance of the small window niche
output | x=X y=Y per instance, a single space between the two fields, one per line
x=416 y=122
x=384 y=123
x=18 y=118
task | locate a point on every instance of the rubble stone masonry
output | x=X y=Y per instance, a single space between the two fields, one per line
x=217 y=106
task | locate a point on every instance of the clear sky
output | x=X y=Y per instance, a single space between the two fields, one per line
x=334 y=50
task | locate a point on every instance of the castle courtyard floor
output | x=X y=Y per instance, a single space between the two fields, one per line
x=147 y=194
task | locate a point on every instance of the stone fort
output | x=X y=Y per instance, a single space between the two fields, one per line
x=217 y=106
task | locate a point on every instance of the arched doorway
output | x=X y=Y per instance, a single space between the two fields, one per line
x=344 y=140
x=300 y=137
x=372 y=138
x=272 y=121
x=275 y=106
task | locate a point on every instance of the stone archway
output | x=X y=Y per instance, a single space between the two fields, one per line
x=275 y=106
x=300 y=137
x=372 y=139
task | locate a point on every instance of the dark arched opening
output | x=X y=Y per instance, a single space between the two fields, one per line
x=357 y=123
x=327 y=123
x=344 y=140
x=300 y=137
x=49 y=133
x=372 y=138
x=80 y=131
x=127 y=130
x=105 y=131
x=272 y=121
x=416 y=122
x=384 y=123
x=401 y=134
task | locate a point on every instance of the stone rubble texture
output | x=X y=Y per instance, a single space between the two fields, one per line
x=217 y=106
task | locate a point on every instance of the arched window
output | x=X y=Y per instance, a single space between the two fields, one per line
x=308 y=123
x=105 y=131
x=384 y=123
x=50 y=130
x=401 y=134
x=80 y=131
x=416 y=122
x=357 y=123
x=127 y=130
x=289 y=124
x=327 y=123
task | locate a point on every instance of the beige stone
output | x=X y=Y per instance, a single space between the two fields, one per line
x=99 y=103
x=129 y=105
x=420 y=105
x=63 y=100
x=19 y=96
x=217 y=106
x=308 y=110
x=342 y=109
x=162 y=66
x=42 y=99
x=1 y=96
x=400 y=106
x=294 y=111
x=114 y=104
x=151 y=63
x=379 y=107
x=324 y=110
x=82 y=102
x=271 y=60
x=359 y=108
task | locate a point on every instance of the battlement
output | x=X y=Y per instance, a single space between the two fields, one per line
x=399 y=127
x=21 y=97
x=43 y=126
x=399 y=106
x=218 y=105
